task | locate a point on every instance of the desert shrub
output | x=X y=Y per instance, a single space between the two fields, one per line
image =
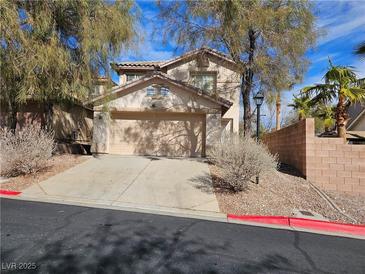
x=240 y=159
x=24 y=151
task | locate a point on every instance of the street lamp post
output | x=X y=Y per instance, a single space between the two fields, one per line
x=259 y=99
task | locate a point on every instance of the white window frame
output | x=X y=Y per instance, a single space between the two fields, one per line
x=200 y=74
x=136 y=76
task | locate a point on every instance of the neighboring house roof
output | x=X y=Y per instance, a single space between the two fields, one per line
x=356 y=111
x=151 y=65
x=359 y=135
x=160 y=75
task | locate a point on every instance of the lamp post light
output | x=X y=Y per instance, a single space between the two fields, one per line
x=259 y=99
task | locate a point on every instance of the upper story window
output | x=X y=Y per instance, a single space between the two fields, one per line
x=157 y=90
x=133 y=76
x=151 y=91
x=164 y=91
x=204 y=80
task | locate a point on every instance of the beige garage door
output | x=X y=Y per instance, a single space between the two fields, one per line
x=161 y=134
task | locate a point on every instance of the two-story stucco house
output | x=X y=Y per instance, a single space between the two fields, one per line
x=170 y=108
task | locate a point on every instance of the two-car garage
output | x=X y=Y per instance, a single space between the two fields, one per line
x=179 y=123
x=157 y=133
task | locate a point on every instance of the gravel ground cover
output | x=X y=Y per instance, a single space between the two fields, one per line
x=281 y=193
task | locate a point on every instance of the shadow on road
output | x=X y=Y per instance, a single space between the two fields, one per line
x=113 y=247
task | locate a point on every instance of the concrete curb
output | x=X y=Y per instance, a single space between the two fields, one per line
x=302 y=223
x=273 y=222
x=175 y=212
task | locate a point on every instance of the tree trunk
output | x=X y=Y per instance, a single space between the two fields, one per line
x=48 y=113
x=341 y=117
x=13 y=111
x=278 y=110
x=246 y=85
x=246 y=92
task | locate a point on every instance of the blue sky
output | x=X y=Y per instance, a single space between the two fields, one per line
x=342 y=21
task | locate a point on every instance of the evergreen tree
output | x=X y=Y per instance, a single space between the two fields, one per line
x=267 y=39
x=52 y=50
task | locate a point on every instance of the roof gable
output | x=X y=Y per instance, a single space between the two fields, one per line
x=198 y=52
x=119 y=90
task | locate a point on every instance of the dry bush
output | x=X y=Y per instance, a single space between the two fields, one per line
x=240 y=159
x=25 y=151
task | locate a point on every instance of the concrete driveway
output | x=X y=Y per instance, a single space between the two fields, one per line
x=146 y=182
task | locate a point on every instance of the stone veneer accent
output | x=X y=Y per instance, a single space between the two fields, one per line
x=330 y=163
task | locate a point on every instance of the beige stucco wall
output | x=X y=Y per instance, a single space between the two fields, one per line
x=178 y=100
x=100 y=142
x=136 y=100
x=228 y=83
x=29 y=113
x=213 y=130
x=67 y=119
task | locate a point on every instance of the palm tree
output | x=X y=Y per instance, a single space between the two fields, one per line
x=360 y=50
x=327 y=114
x=273 y=98
x=302 y=105
x=340 y=84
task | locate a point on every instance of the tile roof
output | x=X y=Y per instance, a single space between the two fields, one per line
x=155 y=64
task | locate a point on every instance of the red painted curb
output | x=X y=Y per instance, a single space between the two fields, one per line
x=274 y=220
x=302 y=223
x=9 y=192
x=327 y=226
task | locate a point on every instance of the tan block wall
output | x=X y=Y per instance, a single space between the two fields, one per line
x=334 y=165
x=289 y=143
x=330 y=163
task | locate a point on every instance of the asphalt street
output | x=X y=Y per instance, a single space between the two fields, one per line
x=54 y=238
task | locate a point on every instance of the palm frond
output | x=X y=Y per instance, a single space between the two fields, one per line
x=360 y=50
x=338 y=74
x=355 y=94
x=320 y=93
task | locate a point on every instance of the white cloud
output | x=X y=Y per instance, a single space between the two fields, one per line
x=340 y=18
